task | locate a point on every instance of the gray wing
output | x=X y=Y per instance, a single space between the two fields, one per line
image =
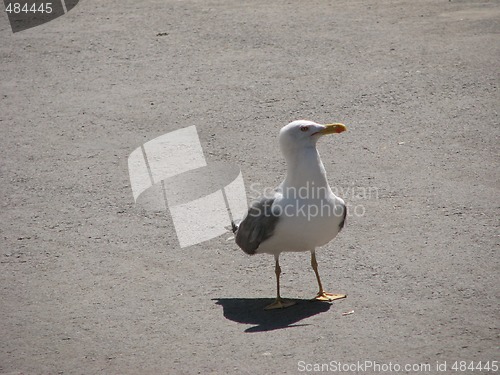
x=257 y=226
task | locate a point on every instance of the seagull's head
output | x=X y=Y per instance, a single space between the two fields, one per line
x=303 y=133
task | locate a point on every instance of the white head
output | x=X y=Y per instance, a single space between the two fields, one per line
x=303 y=133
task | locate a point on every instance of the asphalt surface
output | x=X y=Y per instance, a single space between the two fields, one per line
x=90 y=283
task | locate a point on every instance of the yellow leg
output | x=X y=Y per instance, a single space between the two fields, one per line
x=279 y=303
x=322 y=295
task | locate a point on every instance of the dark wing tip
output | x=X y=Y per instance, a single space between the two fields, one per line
x=234 y=226
x=342 y=223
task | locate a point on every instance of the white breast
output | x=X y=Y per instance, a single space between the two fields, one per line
x=305 y=224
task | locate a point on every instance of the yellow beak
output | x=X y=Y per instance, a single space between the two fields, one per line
x=333 y=128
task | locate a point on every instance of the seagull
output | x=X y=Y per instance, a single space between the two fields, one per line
x=303 y=212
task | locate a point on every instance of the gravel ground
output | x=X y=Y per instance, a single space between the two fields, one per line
x=90 y=283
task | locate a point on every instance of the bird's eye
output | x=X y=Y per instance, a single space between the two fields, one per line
x=304 y=128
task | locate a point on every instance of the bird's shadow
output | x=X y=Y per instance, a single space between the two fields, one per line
x=251 y=311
